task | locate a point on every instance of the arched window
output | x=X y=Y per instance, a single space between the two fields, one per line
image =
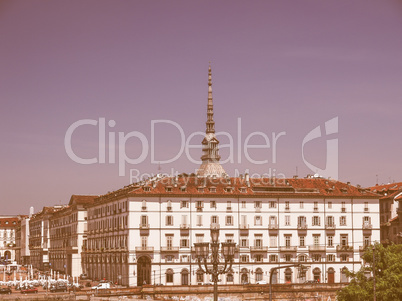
x=229 y=276
x=331 y=275
x=344 y=277
x=317 y=274
x=258 y=274
x=288 y=275
x=184 y=277
x=244 y=276
x=169 y=276
x=200 y=276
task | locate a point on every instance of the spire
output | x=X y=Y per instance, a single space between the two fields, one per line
x=210 y=152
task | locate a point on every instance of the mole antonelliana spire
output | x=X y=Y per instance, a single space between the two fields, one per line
x=210 y=152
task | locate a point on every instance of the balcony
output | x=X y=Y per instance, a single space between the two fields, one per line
x=287 y=249
x=243 y=229
x=317 y=248
x=144 y=249
x=184 y=226
x=258 y=248
x=144 y=229
x=367 y=226
x=344 y=248
x=169 y=249
x=144 y=226
x=330 y=227
x=273 y=226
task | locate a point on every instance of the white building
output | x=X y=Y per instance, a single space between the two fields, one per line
x=68 y=228
x=8 y=225
x=145 y=232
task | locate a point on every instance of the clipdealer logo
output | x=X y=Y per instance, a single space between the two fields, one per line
x=147 y=146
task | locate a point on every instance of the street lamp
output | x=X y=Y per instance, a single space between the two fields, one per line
x=202 y=254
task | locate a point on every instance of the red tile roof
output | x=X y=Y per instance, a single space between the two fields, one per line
x=82 y=199
x=9 y=222
x=221 y=187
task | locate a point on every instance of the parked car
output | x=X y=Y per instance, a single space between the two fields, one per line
x=58 y=288
x=261 y=282
x=103 y=285
x=31 y=290
x=5 y=290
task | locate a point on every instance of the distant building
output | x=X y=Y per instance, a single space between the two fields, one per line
x=390 y=211
x=8 y=225
x=144 y=233
x=39 y=237
x=68 y=228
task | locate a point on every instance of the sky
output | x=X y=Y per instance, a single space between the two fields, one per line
x=122 y=87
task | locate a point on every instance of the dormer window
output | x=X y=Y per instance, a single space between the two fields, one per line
x=212 y=189
x=243 y=189
x=183 y=188
x=169 y=189
x=201 y=189
x=228 y=189
x=147 y=188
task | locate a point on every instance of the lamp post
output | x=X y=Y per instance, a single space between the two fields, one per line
x=212 y=267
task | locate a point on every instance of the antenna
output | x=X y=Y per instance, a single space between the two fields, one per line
x=376 y=182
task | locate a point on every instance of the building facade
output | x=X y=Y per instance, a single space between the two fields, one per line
x=39 y=237
x=8 y=248
x=68 y=228
x=144 y=233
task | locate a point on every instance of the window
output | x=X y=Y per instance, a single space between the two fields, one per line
x=199 y=238
x=258 y=272
x=184 y=242
x=330 y=241
x=184 y=222
x=367 y=241
x=301 y=204
x=144 y=205
x=214 y=219
x=229 y=237
x=229 y=277
x=258 y=240
x=344 y=240
x=287 y=220
x=366 y=221
x=200 y=276
x=301 y=222
x=183 y=204
x=344 y=257
x=243 y=223
x=169 y=241
x=288 y=257
x=229 y=220
x=169 y=220
x=229 y=205
x=330 y=257
x=144 y=221
x=169 y=205
x=169 y=275
x=273 y=241
x=316 y=221
x=243 y=204
x=329 y=205
x=144 y=242
x=343 y=206
x=199 y=220
x=244 y=242
x=287 y=205
x=212 y=204
x=272 y=204
x=302 y=241
x=342 y=220
x=316 y=239
x=366 y=209
x=184 y=258
x=287 y=240
x=258 y=220
x=302 y=258
x=315 y=206
x=199 y=205
x=244 y=258
x=273 y=258
x=316 y=257
x=330 y=221
x=257 y=204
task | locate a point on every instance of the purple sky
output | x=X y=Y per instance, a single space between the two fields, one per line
x=280 y=66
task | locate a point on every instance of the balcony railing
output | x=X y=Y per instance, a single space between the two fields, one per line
x=184 y=226
x=367 y=226
x=330 y=226
x=273 y=226
x=344 y=248
x=287 y=249
x=144 y=226
x=258 y=248
x=317 y=248
x=169 y=249
x=302 y=226
x=243 y=226
x=144 y=249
